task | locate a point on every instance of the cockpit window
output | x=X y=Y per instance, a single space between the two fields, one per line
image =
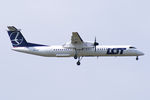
x=132 y=47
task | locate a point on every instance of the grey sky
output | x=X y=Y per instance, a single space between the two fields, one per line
x=28 y=77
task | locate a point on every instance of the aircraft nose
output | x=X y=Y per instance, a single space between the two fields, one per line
x=140 y=53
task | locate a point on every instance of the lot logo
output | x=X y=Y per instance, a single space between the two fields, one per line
x=16 y=38
x=115 y=50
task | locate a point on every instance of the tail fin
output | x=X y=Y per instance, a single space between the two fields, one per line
x=16 y=37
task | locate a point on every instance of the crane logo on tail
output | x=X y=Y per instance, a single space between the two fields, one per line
x=16 y=38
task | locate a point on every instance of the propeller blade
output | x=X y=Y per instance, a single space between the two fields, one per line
x=95 y=44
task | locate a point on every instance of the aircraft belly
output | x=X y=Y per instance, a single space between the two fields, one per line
x=71 y=53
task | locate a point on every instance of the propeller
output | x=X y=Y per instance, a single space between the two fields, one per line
x=95 y=44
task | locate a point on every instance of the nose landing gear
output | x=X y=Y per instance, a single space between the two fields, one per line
x=137 y=58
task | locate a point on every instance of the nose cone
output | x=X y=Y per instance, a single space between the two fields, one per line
x=140 y=53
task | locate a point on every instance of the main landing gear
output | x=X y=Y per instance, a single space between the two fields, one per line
x=78 y=63
x=76 y=56
x=79 y=59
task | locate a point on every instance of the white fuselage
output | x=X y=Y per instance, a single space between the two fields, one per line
x=76 y=48
x=61 y=51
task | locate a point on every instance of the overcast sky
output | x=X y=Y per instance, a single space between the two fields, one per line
x=113 y=22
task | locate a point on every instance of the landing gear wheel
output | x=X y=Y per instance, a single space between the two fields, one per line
x=137 y=58
x=78 y=63
x=75 y=57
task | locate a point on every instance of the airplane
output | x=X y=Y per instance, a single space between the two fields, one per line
x=76 y=48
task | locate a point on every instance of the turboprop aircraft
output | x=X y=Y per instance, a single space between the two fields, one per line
x=76 y=48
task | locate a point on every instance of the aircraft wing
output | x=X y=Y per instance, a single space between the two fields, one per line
x=76 y=39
